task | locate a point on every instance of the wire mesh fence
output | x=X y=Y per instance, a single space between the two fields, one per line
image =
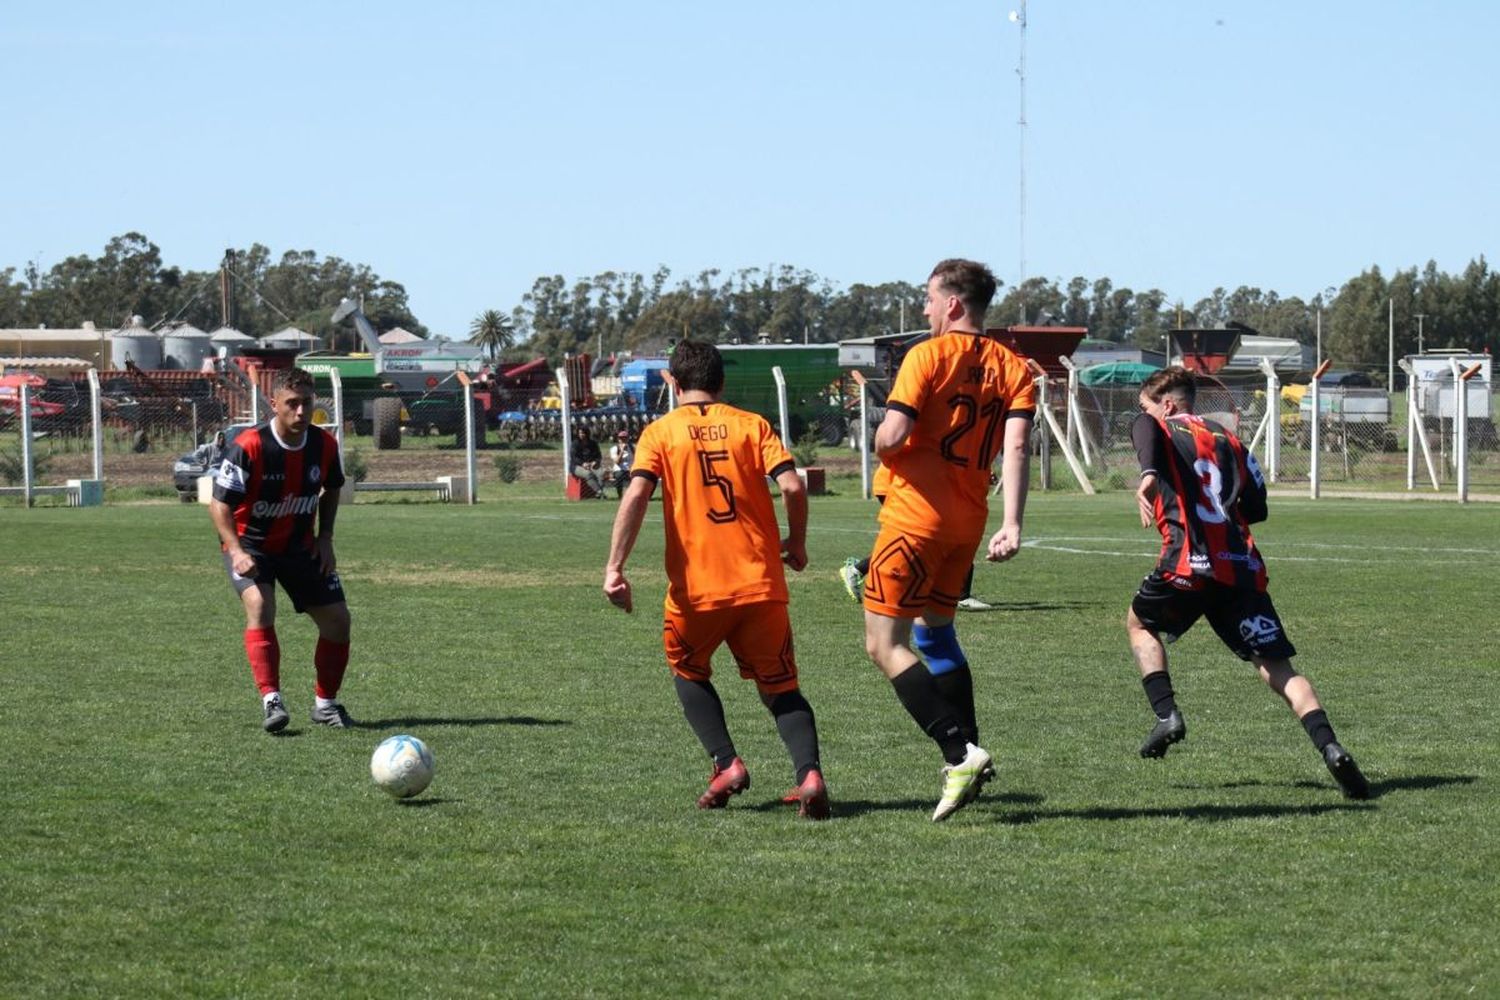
x=1364 y=437
x=151 y=424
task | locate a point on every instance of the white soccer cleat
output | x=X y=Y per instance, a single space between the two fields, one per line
x=961 y=782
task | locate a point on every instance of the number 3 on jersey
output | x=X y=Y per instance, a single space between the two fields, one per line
x=712 y=480
x=1210 y=482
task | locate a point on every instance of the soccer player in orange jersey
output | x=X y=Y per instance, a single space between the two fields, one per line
x=958 y=399
x=724 y=560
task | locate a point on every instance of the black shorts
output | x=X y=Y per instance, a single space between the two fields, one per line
x=1244 y=619
x=297 y=572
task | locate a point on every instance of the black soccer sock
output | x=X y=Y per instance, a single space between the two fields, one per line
x=919 y=695
x=863 y=566
x=1318 y=728
x=798 y=728
x=968 y=585
x=957 y=688
x=705 y=713
x=1158 y=687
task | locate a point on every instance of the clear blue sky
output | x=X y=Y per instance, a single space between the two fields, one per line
x=464 y=149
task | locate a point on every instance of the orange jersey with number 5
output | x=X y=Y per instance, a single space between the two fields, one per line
x=723 y=543
x=959 y=388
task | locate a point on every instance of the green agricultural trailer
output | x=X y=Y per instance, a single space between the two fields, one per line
x=814 y=386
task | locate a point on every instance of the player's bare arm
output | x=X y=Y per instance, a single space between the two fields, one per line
x=891 y=435
x=240 y=560
x=1015 y=470
x=328 y=508
x=794 y=497
x=1145 y=499
x=622 y=540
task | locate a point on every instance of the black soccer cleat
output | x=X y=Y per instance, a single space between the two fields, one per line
x=1166 y=732
x=276 y=715
x=333 y=716
x=1347 y=773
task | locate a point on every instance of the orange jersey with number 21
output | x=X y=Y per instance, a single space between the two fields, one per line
x=959 y=388
x=723 y=543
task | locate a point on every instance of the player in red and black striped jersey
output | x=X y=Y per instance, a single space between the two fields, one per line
x=276 y=496
x=1202 y=490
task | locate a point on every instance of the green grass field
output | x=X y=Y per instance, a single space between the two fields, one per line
x=157 y=843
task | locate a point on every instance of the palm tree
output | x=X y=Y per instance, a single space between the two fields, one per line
x=493 y=331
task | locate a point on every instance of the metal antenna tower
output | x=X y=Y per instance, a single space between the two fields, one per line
x=1019 y=17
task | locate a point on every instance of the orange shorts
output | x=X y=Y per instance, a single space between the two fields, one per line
x=909 y=575
x=759 y=635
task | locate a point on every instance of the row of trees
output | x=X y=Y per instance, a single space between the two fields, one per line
x=629 y=311
x=638 y=312
x=130 y=279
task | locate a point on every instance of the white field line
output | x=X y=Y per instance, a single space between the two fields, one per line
x=1056 y=544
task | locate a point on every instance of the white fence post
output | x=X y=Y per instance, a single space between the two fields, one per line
x=28 y=476
x=1043 y=408
x=1461 y=428
x=1270 y=424
x=96 y=417
x=567 y=421
x=336 y=380
x=1078 y=427
x=471 y=465
x=1314 y=436
x=786 y=425
x=1416 y=430
x=864 y=440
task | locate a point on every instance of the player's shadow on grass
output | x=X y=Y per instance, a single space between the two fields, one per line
x=1033 y=606
x=850 y=808
x=1378 y=789
x=1419 y=783
x=412 y=721
x=1210 y=814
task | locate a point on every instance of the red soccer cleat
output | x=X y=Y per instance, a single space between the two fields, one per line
x=810 y=797
x=724 y=782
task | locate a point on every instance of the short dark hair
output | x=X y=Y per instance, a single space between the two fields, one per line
x=971 y=281
x=698 y=365
x=295 y=379
x=1175 y=380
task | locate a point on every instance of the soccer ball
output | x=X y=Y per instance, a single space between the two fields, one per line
x=402 y=766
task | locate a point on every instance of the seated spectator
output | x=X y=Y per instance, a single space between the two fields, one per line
x=210 y=453
x=621 y=456
x=586 y=462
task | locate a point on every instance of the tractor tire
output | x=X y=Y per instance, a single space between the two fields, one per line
x=387 y=421
x=831 y=428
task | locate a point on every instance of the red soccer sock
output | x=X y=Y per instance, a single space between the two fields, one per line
x=329 y=660
x=264 y=654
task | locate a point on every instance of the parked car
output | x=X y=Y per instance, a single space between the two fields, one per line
x=201 y=461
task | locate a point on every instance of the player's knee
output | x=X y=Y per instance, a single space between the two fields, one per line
x=939 y=647
x=259 y=611
x=782 y=702
x=334 y=622
x=1141 y=634
x=1277 y=673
